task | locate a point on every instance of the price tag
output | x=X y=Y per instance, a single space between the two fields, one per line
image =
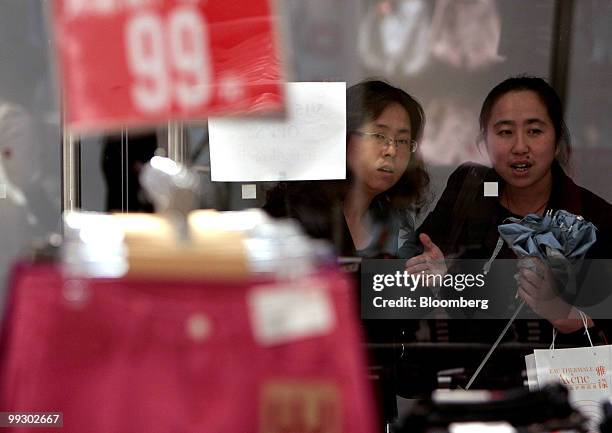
x=126 y=62
x=282 y=315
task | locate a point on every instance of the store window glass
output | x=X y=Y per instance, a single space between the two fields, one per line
x=589 y=107
x=30 y=176
x=417 y=74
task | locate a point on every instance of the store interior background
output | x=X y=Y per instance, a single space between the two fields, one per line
x=472 y=45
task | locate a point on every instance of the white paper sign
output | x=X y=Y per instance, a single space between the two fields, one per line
x=308 y=144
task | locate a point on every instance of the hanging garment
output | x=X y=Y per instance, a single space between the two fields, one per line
x=321 y=38
x=155 y=356
x=394 y=37
x=20 y=189
x=466 y=33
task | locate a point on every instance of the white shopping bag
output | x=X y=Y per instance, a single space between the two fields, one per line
x=585 y=371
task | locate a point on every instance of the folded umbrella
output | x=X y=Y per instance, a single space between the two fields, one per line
x=561 y=231
x=560 y=239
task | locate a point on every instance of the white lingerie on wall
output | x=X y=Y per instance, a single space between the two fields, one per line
x=401 y=36
x=394 y=36
x=599 y=33
x=466 y=33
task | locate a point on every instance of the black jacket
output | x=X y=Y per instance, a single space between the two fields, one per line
x=464 y=226
x=469 y=229
x=317 y=206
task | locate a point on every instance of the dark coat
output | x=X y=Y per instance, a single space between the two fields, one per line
x=317 y=206
x=469 y=229
x=464 y=226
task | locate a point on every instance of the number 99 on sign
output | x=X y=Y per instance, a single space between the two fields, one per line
x=169 y=59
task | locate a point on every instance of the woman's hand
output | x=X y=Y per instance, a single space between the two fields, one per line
x=431 y=261
x=536 y=286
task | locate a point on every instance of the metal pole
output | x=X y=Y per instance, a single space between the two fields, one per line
x=71 y=171
x=177 y=143
x=561 y=47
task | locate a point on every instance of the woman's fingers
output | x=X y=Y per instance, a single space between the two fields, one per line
x=431 y=252
x=425 y=240
x=423 y=262
x=431 y=261
x=431 y=249
x=529 y=300
x=416 y=260
x=415 y=269
x=531 y=277
x=534 y=265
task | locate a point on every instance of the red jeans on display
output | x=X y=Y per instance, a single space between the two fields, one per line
x=128 y=356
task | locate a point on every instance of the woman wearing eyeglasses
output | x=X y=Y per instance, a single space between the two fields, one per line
x=367 y=213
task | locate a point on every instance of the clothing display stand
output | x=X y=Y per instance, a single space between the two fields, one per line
x=244 y=328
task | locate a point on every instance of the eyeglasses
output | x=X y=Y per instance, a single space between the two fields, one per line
x=382 y=140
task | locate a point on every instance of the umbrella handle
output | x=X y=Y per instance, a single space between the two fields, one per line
x=498 y=247
x=492 y=349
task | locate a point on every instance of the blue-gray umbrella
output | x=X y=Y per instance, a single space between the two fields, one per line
x=561 y=231
x=560 y=239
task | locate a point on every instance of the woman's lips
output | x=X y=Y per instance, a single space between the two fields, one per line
x=521 y=168
x=387 y=170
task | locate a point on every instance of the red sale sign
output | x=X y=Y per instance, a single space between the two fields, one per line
x=126 y=62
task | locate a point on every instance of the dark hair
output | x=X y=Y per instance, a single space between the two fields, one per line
x=365 y=102
x=549 y=98
x=317 y=204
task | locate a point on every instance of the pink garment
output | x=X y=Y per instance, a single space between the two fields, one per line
x=168 y=356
